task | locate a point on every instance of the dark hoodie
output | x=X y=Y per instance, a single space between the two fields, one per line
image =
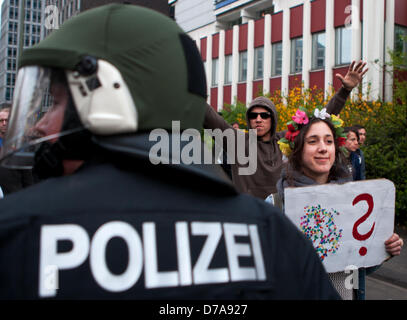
x=269 y=157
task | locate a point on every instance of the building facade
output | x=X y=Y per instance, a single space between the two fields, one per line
x=10 y=40
x=41 y=17
x=252 y=46
x=65 y=9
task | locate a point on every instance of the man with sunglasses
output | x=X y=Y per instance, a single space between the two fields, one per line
x=262 y=116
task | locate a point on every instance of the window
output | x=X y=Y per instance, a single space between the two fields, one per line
x=8 y=94
x=318 y=50
x=343 y=42
x=242 y=66
x=296 y=55
x=277 y=56
x=258 y=62
x=11 y=64
x=214 y=72
x=400 y=42
x=12 y=38
x=228 y=69
x=8 y=80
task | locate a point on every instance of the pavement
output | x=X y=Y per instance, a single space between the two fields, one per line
x=389 y=282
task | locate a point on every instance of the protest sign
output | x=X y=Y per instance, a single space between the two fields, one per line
x=347 y=223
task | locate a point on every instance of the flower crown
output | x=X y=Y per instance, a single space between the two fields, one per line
x=300 y=119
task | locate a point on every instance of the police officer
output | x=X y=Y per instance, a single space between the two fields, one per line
x=106 y=222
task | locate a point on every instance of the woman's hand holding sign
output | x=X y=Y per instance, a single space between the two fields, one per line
x=394 y=244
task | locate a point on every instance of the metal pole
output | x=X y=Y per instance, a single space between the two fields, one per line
x=21 y=27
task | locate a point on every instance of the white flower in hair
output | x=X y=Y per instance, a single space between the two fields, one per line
x=321 y=114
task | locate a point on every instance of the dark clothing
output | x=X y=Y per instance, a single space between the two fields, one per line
x=172 y=232
x=12 y=180
x=361 y=156
x=225 y=166
x=356 y=163
x=269 y=156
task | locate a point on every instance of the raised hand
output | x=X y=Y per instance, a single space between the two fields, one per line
x=354 y=75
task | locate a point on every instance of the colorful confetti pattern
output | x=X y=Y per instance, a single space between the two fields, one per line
x=319 y=226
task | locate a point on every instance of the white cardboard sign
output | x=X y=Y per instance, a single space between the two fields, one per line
x=348 y=224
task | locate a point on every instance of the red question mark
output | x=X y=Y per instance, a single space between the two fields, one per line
x=361 y=237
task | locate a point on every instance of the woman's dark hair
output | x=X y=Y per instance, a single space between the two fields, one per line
x=353 y=129
x=295 y=162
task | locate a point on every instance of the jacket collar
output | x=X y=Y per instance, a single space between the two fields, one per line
x=139 y=146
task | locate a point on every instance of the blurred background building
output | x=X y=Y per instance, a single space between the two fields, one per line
x=248 y=46
x=264 y=45
x=12 y=38
x=40 y=18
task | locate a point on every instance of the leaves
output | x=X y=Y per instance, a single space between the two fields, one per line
x=385 y=123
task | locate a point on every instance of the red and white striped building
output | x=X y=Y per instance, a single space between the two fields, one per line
x=252 y=45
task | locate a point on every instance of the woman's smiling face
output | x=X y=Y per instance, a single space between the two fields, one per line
x=318 y=154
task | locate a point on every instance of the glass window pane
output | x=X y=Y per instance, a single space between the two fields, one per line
x=214 y=72
x=277 y=60
x=400 y=42
x=258 y=63
x=318 y=50
x=296 y=55
x=228 y=69
x=242 y=66
x=343 y=39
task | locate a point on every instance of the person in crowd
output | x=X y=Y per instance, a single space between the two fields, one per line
x=177 y=224
x=315 y=156
x=235 y=125
x=362 y=138
x=355 y=161
x=262 y=116
x=362 y=134
x=4 y=115
x=11 y=180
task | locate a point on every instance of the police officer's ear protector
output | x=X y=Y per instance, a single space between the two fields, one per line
x=102 y=98
x=99 y=102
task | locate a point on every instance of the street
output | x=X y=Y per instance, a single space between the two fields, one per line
x=390 y=281
x=381 y=290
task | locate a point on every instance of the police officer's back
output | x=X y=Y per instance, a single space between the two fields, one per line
x=110 y=223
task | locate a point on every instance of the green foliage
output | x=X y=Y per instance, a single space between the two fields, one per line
x=386 y=157
x=385 y=123
x=235 y=113
x=386 y=149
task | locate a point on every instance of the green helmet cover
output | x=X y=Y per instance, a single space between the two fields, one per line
x=146 y=48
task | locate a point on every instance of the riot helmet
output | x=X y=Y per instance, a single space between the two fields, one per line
x=125 y=69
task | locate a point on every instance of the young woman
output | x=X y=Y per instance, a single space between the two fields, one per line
x=314 y=145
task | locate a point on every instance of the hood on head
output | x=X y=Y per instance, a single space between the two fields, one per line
x=266 y=103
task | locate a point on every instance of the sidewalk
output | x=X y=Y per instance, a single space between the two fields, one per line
x=395 y=270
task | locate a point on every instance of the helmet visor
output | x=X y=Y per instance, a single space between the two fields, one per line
x=36 y=115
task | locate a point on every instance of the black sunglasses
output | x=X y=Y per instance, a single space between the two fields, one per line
x=254 y=115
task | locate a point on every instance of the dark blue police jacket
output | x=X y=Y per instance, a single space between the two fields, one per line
x=134 y=230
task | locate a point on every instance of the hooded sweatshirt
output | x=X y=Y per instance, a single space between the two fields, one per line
x=269 y=157
x=300 y=180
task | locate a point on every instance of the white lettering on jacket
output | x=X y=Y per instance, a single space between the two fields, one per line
x=143 y=254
